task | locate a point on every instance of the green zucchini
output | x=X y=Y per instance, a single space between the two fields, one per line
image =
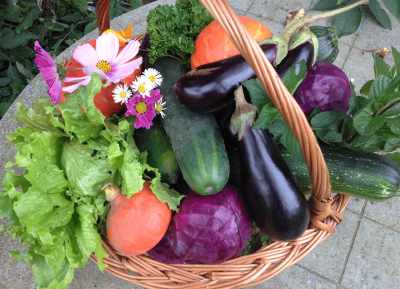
x=195 y=137
x=159 y=151
x=358 y=174
x=363 y=175
x=327 y=43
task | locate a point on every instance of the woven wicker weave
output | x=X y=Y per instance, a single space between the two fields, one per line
x=268 y=261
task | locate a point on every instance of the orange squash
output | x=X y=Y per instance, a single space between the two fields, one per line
x=137 y=224
x=102 y=100
x=213 y=44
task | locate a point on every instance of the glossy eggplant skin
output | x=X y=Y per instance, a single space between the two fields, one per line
x=304 y=51
x=210 y=87
x=274 y=199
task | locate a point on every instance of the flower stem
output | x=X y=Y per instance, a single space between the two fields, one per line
x=71 y=69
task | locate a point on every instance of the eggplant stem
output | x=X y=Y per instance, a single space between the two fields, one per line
x=297 y=24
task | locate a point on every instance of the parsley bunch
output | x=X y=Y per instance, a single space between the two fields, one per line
x=173 y=30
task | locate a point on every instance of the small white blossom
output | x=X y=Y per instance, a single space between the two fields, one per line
x=154 y=76
x=159 y=107
x=142 y=85
x=122 y=93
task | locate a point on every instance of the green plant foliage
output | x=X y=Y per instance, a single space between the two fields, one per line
x=56 y=24
x=348 y=22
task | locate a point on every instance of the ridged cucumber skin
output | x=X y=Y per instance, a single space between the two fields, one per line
x=195 y=137
x=358 y=174
x=159 y=151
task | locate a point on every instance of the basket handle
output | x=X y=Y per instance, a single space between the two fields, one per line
x=321 y=200
x=103 y=15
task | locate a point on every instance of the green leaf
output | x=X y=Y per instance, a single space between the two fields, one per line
x=381 y=67
x=88 y=238
x=366 y=87
x=87 y=169
x=293 y=80
x=12 y=40
x=333 y=136
x=75 y=17
x=164 y=194
x=339 y=2
x=392 y=144
x=379 y=87
x=289 y=141
x=4 y=81
x=4 y=106
x=12 y=73
x=394 y=7
x=29 y=19
x=365 y=124
x=394 y=124
x=20 y=54
x=326 y=122
x=13 y=12
x=3 y=55
x=258 y=95
x=395 y=157
x=22 y=69
x=348 y=22
x=396 y=57
x=277 y=128
x=54 y=25
x=380 y=14
x=323 y=5
x=268 y=114
x=394 y=110
x=90 y=27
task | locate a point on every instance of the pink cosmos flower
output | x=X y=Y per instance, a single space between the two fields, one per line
x=49 y=72
x=143 y=108
x=105 y=60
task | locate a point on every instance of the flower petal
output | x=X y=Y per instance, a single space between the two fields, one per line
x=74 y=87
x=54 y=91
x=42 y=61
x=86 y=55
x=76 y=79
x=107 y=46
x=93 y=69
x=126 y=54
x=123 y=70
x=44 y=54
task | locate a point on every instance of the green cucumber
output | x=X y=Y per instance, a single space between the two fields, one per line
x=159 y=151
x=195 y=137
x=358 y=174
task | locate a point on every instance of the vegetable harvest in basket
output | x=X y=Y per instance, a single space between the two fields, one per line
x=122 y=136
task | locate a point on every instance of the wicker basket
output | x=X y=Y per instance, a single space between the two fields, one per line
x=268 y=261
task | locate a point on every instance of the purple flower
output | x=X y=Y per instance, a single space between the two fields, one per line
x=105 y=61
x=49 y=72
x=143 y=108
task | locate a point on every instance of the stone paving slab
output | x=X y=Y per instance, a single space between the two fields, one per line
x=374 y=261
x=329 y=257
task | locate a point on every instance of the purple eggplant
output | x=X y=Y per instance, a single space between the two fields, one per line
x=304 y=52
x=272 y=194
x=210 y=87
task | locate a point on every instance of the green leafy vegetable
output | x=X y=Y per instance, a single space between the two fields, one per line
x=173 y=30
x=348 y=22
x=60 y=209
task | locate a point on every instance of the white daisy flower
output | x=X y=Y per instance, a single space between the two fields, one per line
x=121 y=93
x=154 y=76
x=142 y=85
x=159 y=107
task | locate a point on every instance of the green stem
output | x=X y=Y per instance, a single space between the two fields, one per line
x=297 y=24
x=71 y=69
x=376 y=114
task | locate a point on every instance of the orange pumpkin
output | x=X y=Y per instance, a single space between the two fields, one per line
x=102 y=100
x=213 y=44
x=137 y=224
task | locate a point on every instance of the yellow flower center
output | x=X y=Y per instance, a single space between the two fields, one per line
x=141 y=88
x=141 y=107
x=152 y=78
x=122 y=94
x=104 y=65
x=159 y=107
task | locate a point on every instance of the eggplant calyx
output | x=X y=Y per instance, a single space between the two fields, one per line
x=244 y=113
x=304 y=35
x=282 y=45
